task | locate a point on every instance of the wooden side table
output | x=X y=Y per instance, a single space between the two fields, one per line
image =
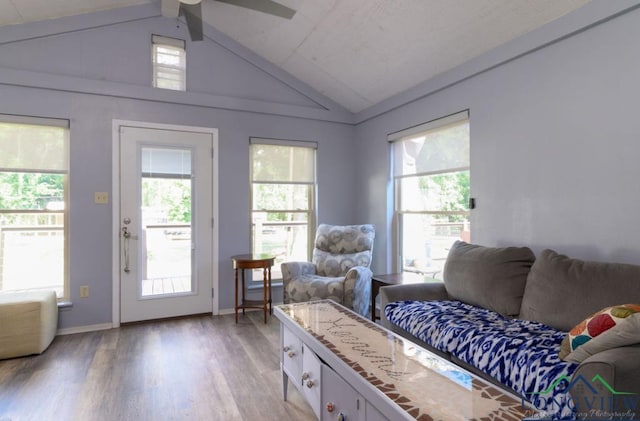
x=378 y=281
x=253 y=261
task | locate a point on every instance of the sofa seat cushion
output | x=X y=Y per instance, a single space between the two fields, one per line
x=520 y=354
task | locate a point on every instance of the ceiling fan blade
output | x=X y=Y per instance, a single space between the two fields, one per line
x=170 y=8
x=193 y=15
x=265 y=6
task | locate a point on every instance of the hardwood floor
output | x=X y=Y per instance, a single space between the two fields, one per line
x=199 y=368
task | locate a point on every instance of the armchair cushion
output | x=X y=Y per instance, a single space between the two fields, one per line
x=339 y=248
x=313 y=287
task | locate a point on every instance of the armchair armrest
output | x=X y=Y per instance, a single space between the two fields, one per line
x=620 y=369
x=419 y=292
x=291 y=270
x=357 y=290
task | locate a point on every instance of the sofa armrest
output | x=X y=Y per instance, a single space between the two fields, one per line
x=357 y=290
x=620 y=369
x=419 y=292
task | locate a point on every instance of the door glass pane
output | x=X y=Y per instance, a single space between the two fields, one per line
x=166 y=198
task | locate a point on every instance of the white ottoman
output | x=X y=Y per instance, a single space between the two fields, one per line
x=28 y=322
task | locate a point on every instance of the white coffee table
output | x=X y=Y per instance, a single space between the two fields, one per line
x=346 y=365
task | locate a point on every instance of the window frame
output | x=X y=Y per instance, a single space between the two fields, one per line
x=311 y=212
x=398 y=212
x=176 y=44
x=64 y=124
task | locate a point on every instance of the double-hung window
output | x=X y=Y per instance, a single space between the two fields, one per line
x=283 y=185
x=34 y=166
x=169 y=60
x=431 y=183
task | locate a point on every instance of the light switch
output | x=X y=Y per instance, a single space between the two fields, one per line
x=101 y=197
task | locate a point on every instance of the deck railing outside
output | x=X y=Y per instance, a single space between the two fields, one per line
x=32 y=255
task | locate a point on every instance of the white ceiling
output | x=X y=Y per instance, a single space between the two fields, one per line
x=356 y=52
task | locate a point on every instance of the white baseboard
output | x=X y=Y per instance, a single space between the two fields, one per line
x=83 y=329
x=226 y=311
x=105 y=326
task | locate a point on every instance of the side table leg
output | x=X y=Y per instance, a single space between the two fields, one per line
x=264 y=293
x=243 y=300
x=235 y=304
x=270 y=299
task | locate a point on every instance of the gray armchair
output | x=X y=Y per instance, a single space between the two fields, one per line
x=339 y=269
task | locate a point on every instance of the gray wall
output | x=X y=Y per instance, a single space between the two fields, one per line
x=555 y=142
x=94 y=75
x=554 y=133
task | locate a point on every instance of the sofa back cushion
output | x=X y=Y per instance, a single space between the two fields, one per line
x=561 y=291
x=489 y=277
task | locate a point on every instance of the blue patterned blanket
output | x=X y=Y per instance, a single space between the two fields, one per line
x=521 y=354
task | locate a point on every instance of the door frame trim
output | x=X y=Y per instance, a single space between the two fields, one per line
x=115 y=206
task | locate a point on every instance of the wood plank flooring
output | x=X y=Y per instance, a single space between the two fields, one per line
x=197 y=368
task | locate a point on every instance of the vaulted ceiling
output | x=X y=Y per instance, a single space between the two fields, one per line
x=356 y=52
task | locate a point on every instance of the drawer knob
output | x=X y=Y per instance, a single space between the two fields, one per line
x=309 y=384
x=286 y=348
x=291 y=354
x=305 y=375
x=330 y=406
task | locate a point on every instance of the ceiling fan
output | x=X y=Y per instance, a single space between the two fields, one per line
x=192 y=11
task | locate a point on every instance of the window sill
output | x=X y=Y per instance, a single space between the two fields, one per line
x=258 y=284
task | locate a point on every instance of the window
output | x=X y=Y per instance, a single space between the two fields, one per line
x=34 y=162
x=282 y=200
x=431 y=181
x=169 y=63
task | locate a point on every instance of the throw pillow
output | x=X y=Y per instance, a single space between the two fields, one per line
x=610 y=327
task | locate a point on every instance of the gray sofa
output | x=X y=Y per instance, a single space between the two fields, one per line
x=553 y=293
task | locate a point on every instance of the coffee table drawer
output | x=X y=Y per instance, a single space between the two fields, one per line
x=338 y=397
x=292 y=356
x=311 y=379
x=372 y=413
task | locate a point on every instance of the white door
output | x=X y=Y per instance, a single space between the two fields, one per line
x=166 y=215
